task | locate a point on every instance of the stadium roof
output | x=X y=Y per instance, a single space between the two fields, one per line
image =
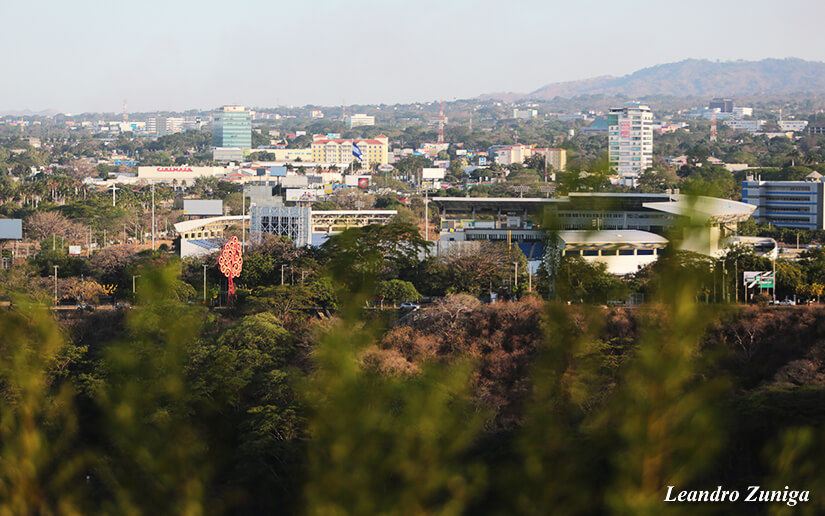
x=622 y=236
x=702 y=209
x=189 y=225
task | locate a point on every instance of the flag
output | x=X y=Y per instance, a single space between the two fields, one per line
x=356 y=152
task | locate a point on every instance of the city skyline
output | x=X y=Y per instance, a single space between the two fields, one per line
x=89 y=57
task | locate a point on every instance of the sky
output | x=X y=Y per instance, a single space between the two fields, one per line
x=90 y=56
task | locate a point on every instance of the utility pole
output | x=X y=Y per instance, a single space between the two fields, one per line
x=515 y=275
x=282 y=273
x=426 y=217
x=736 y=279
x=773 y=262
x=153 y=216
x=55 y=284
x=204 y=284
x=243 y=218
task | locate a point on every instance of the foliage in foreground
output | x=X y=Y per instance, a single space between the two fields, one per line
x=186 y=413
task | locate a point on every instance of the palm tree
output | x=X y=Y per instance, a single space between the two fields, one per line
x=794 y=155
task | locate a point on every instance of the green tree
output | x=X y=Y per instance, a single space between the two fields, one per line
x=396 y=291
x=578 y=280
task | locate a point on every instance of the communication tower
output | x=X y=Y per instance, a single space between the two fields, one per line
x=441 y=124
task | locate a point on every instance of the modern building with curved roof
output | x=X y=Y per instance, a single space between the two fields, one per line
x=695 y=223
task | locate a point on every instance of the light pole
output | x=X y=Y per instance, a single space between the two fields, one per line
x=153 y=216
x=204 y=284
x=426 y=217
x=243 y=218
x=515 y=281
x=55 y=284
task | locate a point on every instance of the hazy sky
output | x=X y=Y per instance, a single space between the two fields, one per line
x=86 y=55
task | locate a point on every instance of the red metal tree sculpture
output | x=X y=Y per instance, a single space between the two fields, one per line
x=231 y=263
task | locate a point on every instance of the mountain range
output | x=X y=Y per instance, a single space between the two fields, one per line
x=694 y=78
x=29 y=112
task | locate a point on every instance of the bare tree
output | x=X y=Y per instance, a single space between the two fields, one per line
x=43 y=225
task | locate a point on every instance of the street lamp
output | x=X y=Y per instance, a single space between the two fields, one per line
x=515 y=281
x=55 y=284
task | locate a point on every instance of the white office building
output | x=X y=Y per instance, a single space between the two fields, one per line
x=796 y=126
x=360 y=120
x=630 y=140
x=752 y=126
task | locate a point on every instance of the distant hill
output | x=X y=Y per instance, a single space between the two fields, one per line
x=29 y=112
x=696 y=78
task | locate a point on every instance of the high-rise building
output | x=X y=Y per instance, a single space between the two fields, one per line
x=163 y=125
x=723 y=105
x=630 y=140
x=232 y=127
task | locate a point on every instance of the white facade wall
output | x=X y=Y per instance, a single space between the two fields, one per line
x=630 y=140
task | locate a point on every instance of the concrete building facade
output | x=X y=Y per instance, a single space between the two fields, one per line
x=361 y=120
x=630 y=139
x=339 y=152
x=786 y=204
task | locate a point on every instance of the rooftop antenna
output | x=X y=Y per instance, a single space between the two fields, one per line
x=441 y=124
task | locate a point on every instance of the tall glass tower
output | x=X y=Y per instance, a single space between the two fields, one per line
x=232 y=127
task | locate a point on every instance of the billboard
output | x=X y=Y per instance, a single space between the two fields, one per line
x=294 y=181
x=432 y=173
x=11 y=229
x=201 y=207
x=761 y=279
x=74 y=250
x=355 y=180
x=624 y=127
x=301 y=195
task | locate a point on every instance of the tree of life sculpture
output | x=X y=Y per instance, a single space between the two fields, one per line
x=231 y=263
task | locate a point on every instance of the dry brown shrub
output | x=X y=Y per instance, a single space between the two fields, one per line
x=387 y=361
